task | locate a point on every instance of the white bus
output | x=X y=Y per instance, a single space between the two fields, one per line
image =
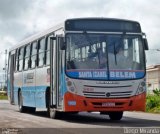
x=84 y=64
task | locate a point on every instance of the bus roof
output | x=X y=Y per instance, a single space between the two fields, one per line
x=102 y=25
x=38 y=35
x=61 y=26
x=102 y=18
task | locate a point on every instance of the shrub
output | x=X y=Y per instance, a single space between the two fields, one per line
x=153 y=103
x=156 y=92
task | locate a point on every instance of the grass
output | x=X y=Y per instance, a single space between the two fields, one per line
x=3 y=97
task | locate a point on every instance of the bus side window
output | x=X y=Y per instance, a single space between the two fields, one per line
x=20 y=59
x=47 y=52
x=26 y=56
x=34 y=55
x=9 y=62
x=16 y=64
x=41 y=49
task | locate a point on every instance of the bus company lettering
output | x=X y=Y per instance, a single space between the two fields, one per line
x=28 y=78
x=103 y=74
x=97 y=74
x=123 y=74
x=85 y=74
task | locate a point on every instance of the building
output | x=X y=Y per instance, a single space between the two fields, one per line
x=153 y=77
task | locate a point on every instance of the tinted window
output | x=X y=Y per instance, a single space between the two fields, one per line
x=42 y=45
x=34 y=48
x=47 y=58
x=17 y=66
x=20 y=59
x=27 y=51
x=21 y=52
x=41 y=52
x=33 y=55
x=26 y=57
x=121 y=56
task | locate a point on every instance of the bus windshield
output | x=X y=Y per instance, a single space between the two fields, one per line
x=104 y=56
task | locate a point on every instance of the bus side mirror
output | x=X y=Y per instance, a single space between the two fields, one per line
x=62 y=43
x=145 y=44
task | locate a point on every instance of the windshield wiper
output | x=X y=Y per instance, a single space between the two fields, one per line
x=87 y=38
x=120 y=43
x=115 y=54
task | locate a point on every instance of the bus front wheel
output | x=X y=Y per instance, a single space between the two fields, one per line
x=54 y=114
x=22 y=109
x=116 y=115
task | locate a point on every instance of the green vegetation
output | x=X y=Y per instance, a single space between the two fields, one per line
x=156 y=92
x=3 y=93
x=3 y=97
x=153 y=102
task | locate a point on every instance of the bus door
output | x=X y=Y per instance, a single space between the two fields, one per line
x=56 y=98
x=11 y=76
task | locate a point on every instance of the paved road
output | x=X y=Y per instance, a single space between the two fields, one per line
x=79 y=123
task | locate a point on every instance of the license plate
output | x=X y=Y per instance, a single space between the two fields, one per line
x=108 y=104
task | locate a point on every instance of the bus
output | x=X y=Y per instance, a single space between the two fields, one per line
x=83 y=64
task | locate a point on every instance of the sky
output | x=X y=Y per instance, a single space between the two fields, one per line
x=22 y=18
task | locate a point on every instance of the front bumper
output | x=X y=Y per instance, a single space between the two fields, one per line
x=74 y=102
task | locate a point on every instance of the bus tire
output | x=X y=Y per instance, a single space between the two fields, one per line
x=32 y=109
x=116 y=115
x=22 y=109
x=75 y=112
x=54 y=114
x=48 y=101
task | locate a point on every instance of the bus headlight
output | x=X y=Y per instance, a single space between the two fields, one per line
x=72 y=89
x=71 y=86
x=141 y=88
x=69 y=83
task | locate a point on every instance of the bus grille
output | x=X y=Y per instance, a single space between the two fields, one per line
x=107 y=94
